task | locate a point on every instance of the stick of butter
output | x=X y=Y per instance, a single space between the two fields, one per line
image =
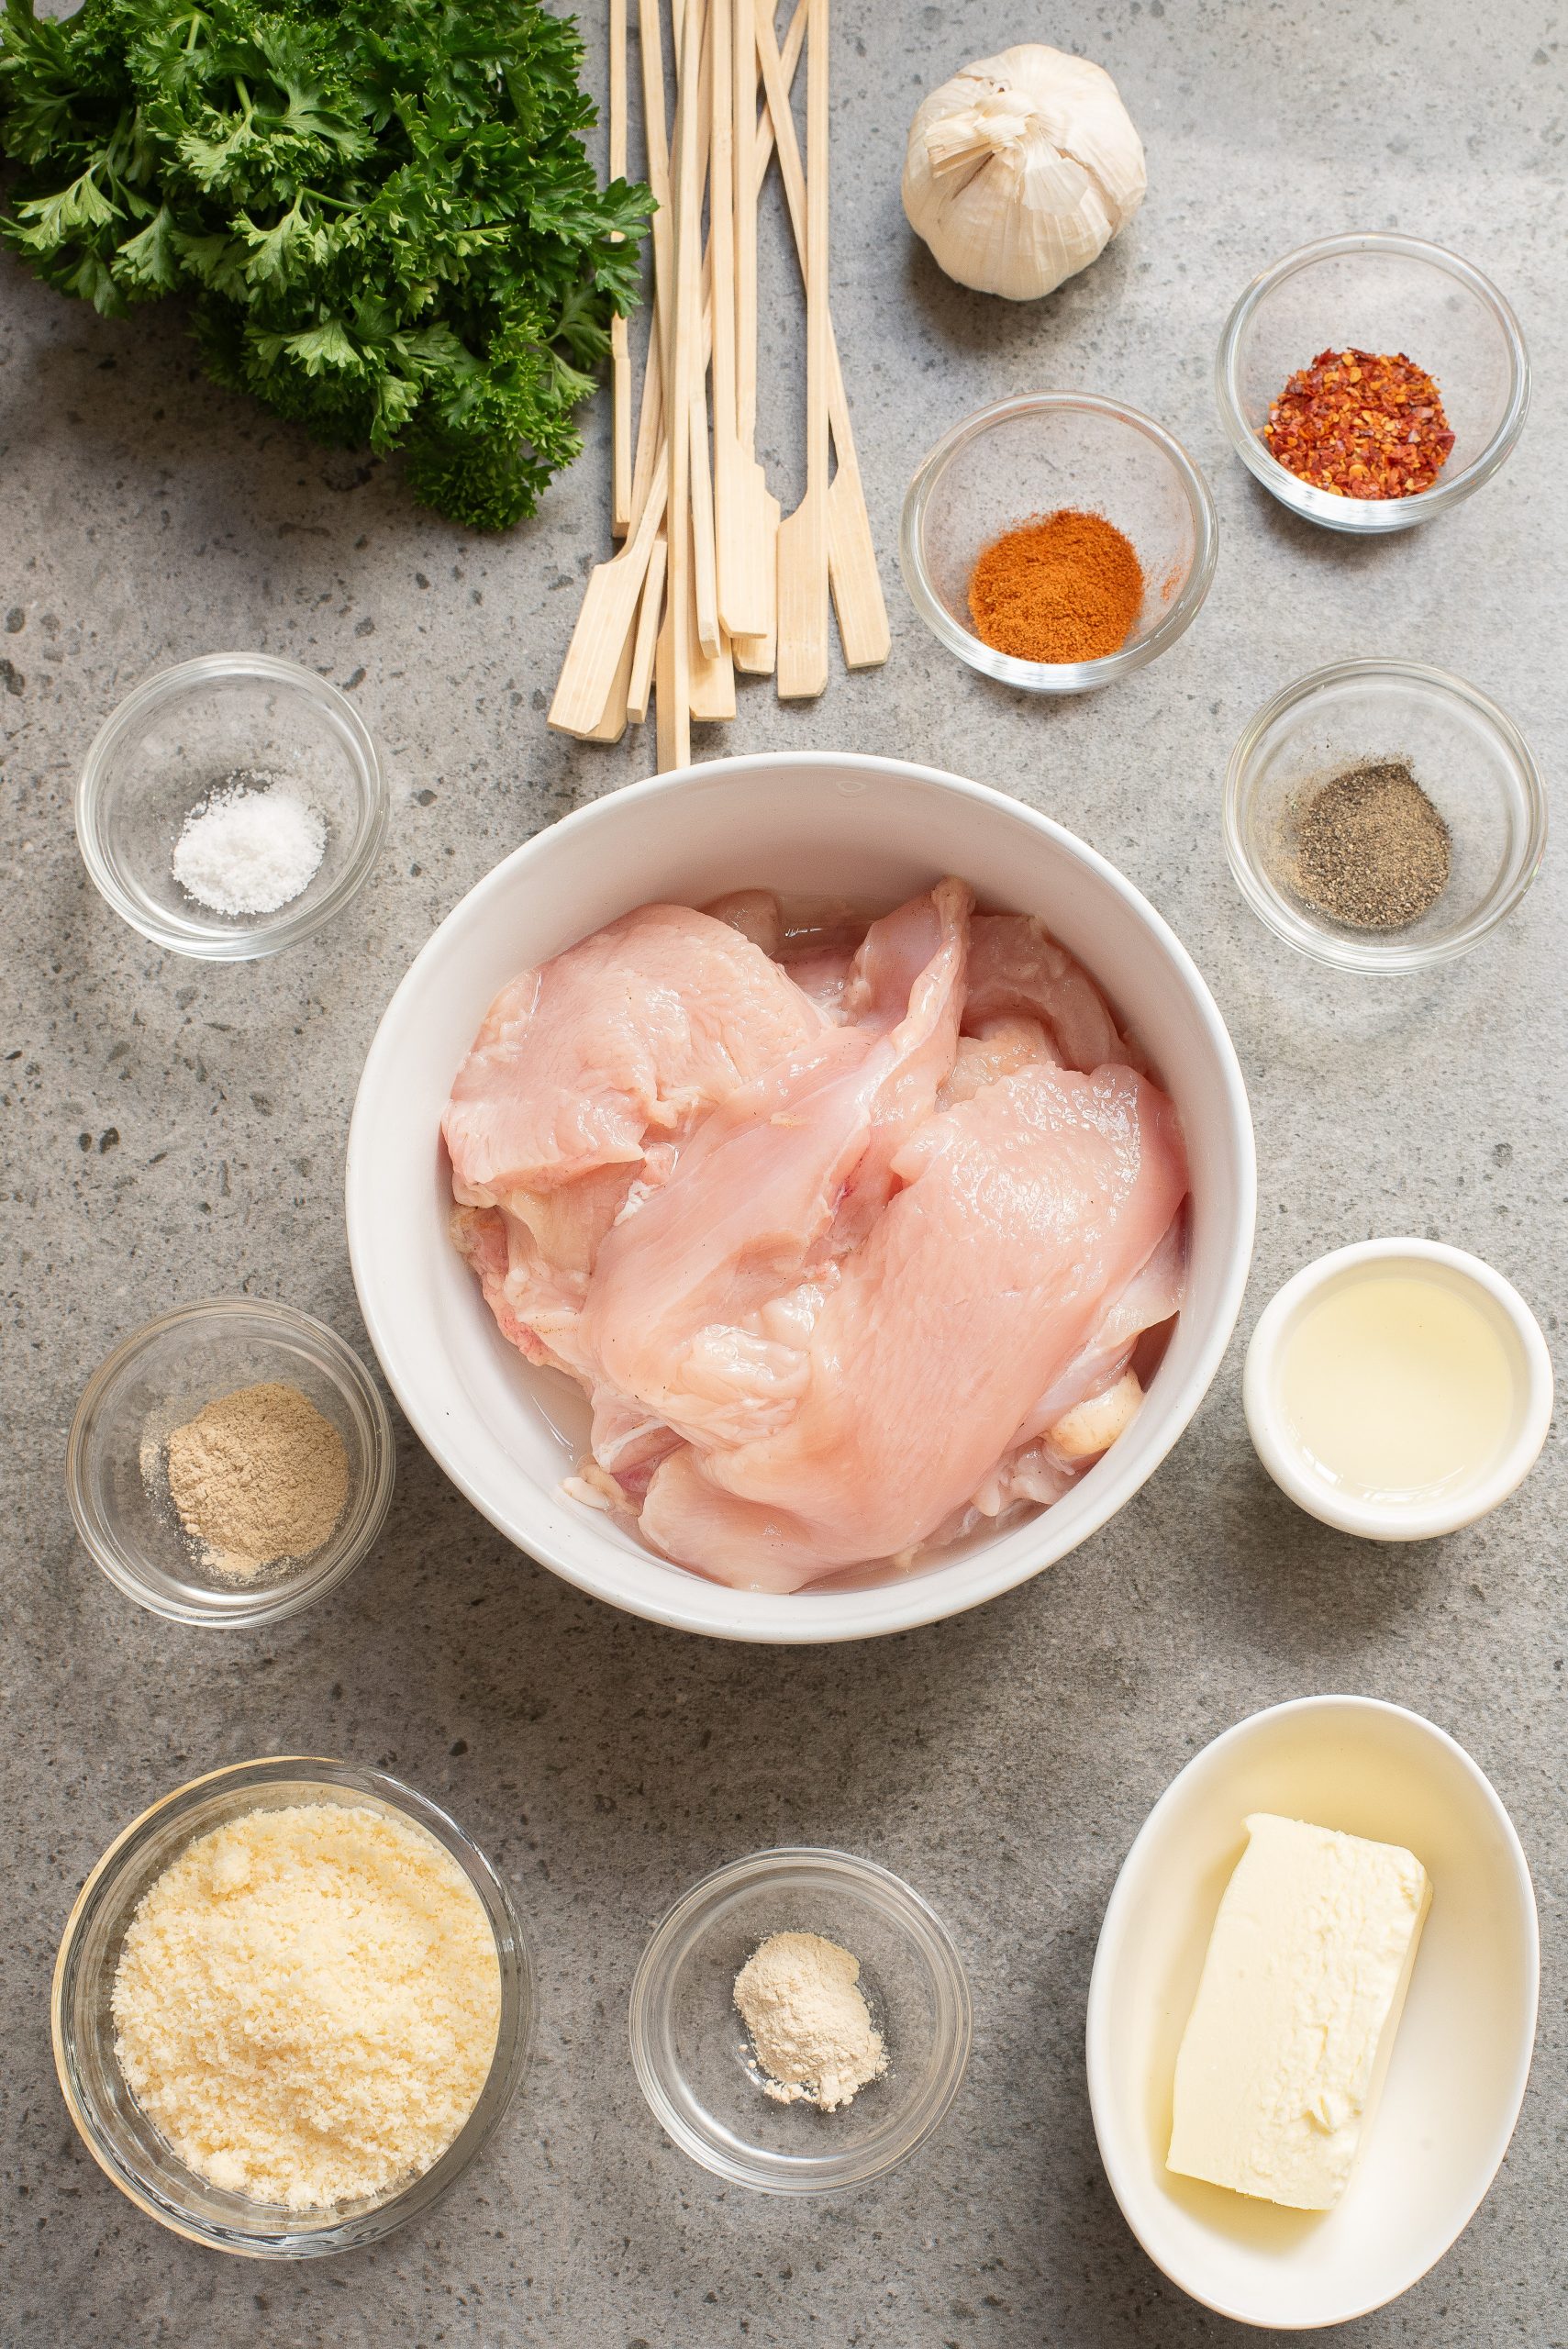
x=1284 y=2052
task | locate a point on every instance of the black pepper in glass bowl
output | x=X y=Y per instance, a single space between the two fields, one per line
x=1382 y=815
x=1370 y=850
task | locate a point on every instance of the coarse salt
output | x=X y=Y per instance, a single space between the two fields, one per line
x=251 y=846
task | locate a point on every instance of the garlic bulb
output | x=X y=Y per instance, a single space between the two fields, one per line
x=1021 y=169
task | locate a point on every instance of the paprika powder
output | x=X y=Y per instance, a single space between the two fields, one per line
x=1062 y=586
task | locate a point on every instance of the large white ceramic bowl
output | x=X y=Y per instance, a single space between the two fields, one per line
x=805 y=824
x=1461 y=2058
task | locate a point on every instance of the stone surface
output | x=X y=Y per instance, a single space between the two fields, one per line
x=175 y=1130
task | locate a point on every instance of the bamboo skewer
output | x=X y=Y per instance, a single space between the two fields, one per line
x=585 y=687
x=705 y=568
x=620 y=356
x=745 y=597
x=803 y=535
x=596 y=670
x=639 y=684
x=757 y=656
x=650 y=31
x=857 y=586
x=715 y=696
x=674 y=662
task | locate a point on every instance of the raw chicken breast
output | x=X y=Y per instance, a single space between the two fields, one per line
x=1025 y=1211
x=703 y=1298
x=641 y=1026
x=1016 y=968
x=850 y=1233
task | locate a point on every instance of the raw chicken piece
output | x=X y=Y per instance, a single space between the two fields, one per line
x=1024 y=1210
x=1151 y=1296
x=641 y=1026
x=1000 y=1048
x=1017 y=968
x=537 y=1307
x=821 y=953
x=756 y=914
x=702 y=1302
x=823 y=974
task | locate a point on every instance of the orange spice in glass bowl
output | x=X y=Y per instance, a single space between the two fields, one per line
x=1062 y=586
x=1047 y=454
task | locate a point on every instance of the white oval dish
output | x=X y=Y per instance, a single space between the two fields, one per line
x=1464 y=2049
x=1386 y=1520
x=808 y=825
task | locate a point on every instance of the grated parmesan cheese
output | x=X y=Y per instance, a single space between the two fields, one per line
x=306 y=2004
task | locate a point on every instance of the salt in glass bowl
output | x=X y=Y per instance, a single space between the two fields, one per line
x=1032 y=456
x=1376 y=291
x=1470 y=759
x=118 y=2134
x=689 y=2044
x=184 y=733
x=161 y=1377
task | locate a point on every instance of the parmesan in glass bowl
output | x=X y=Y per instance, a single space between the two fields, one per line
x=122 y=2137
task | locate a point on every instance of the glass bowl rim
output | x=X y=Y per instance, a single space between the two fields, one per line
x=262 y=934
x=1369 y=515
x=1347 y=953
x=1056 y=676
x=681 y=1926
x=519 y=2003
x=333 y=1356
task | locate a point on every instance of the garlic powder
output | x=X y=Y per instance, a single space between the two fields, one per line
x=811 y=2031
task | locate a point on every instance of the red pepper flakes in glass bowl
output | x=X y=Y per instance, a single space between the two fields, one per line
x=1361 y=424
x=1373 y=291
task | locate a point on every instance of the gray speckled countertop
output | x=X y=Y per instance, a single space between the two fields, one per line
x=174 y=1129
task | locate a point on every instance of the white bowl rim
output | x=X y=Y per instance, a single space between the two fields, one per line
x=1345 y=951
x=1057 y=677
x=689 y=1602
x=1099 y=2054
x=259 y=934
x=1341 y=1509
x=1369 y=516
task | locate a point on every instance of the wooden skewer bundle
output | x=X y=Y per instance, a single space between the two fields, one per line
x=709 y=580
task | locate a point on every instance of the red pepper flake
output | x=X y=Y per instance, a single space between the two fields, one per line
x=1361 y=424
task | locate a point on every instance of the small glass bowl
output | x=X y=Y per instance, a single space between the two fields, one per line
x=184 y=732
x=1376 y=291
x=1030 y=456
x=689 y=2046
x=1470 y=759
x=117 y=2133
x=160 y=1378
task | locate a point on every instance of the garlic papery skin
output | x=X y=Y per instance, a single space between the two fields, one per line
x=1021 y=169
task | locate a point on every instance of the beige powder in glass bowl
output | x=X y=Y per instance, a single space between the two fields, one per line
x=258 y=1475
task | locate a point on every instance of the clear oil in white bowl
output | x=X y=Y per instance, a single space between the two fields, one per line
x=1398 y=1387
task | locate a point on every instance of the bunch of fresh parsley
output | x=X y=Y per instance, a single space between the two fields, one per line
x=381 y=210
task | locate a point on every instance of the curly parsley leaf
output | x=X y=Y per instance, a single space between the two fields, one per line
x=380 y=212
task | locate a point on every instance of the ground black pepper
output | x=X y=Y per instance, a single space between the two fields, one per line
x=1371 y=849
